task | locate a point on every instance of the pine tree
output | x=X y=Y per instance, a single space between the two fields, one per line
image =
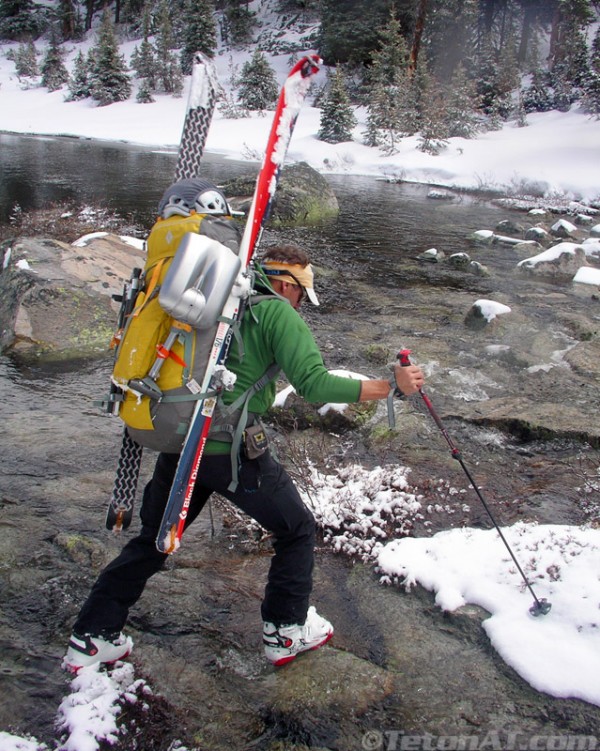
x=419 y=85
x=337 y=117
x=388 y=89
x=591 y=85
x=25 y=60
x=432 y=138
x=238 y=22
x=79 y=84
x=133 y=12
x=170 y=78
x=144 y=94
x=109 y=80
x=461 y=105
x=258 y=89
x=200 y=32
x=228 y=106
x=432 y=115
x=54 y=73
x=143 y=59
x=449 y=36
x=68 y=18
x=20 y=20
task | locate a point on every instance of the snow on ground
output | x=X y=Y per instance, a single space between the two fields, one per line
x=367 y=513
x=557 y=153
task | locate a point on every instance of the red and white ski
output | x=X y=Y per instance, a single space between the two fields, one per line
x=290 y=101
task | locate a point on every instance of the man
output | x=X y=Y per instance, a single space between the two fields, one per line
x=272 y=331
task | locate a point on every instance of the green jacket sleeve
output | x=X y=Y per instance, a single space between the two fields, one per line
x=297 y=354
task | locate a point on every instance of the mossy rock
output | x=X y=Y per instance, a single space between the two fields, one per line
x=303 y=197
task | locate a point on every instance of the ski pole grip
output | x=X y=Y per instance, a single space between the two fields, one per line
x=404 y=358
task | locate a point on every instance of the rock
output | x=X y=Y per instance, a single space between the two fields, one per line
x=301 y=415
x=563 y=228
x=506 y=240
x=56 y=299
x=583 y=220
x=304 y=197
x=510 y=226
x=441 y=195
x=581 y=327
x=595 y=230
x=479 y=269
x=483 y=312
x=483 y=237
x=530 y=419
x=584 y=358
x=337 y=679
x=528 y=246
x=432 y=255
x=562 y=260
x=592 y=247
x=536 y=233
x=459 y=261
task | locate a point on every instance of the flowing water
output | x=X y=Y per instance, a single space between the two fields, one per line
x=59 y=455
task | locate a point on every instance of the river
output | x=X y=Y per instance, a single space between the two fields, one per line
x=433 y=673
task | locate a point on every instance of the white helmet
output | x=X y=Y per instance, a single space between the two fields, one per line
x=211 y=202
x=194 y=194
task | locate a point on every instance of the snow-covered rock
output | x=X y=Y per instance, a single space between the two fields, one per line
x=483 y=312
x=563 y=259
x=432 y=255
x=563 y=228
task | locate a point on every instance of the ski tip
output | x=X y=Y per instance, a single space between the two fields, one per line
x=307 y=66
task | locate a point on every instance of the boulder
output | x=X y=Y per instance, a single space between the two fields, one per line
x=56 y=299
x=483 y=312
x=303 y=198
x=563 y=228
x=432 y=255
x=536 y=233
x=509 y=226
x=562 y=260
x=459 y=261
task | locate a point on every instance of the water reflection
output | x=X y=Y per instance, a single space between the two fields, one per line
x=37 y=171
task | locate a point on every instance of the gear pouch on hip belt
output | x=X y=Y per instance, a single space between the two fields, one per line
x=255 y=441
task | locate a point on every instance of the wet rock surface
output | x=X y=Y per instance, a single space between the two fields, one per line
x=56 y=298
x=520 y=397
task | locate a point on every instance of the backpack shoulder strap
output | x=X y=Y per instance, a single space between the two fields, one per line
x=231 y=420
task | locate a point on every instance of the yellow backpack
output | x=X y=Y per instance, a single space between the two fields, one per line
x=160 y=361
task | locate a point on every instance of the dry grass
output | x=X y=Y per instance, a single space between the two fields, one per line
x=66 y=222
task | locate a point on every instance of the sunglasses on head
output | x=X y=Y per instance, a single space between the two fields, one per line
x=304 y=295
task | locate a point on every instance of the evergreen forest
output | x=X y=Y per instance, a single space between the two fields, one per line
x=437 y=68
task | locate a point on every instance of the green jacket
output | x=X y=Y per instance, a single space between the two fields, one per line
x=273 y=332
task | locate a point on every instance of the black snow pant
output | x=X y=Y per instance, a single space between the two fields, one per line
x=265 y=492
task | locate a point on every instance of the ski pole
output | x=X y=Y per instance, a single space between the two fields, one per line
x=540 y=606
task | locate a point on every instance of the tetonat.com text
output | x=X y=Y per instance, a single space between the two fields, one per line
x=397 y=740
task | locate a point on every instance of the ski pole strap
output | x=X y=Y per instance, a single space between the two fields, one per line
x=394 y=392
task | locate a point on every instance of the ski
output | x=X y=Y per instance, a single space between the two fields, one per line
x=288 y=107
x=200 y=108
